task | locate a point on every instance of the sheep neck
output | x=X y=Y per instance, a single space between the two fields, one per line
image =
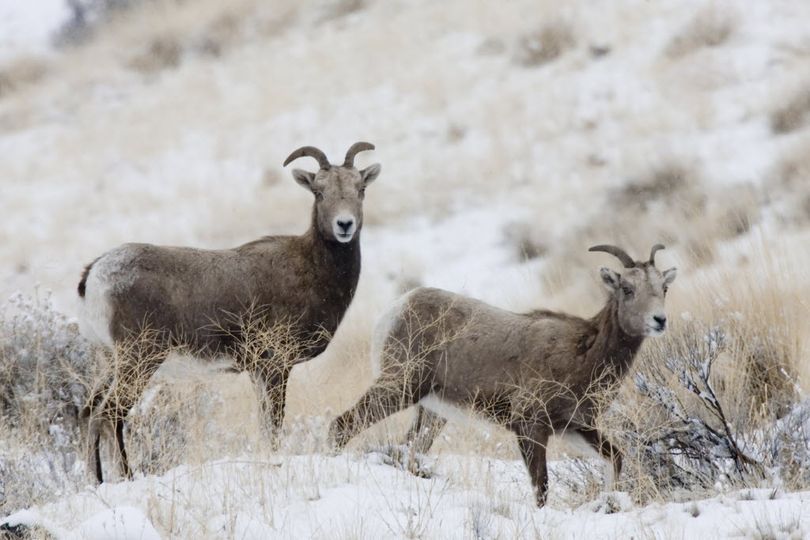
x=338 y=263
x=613 y=350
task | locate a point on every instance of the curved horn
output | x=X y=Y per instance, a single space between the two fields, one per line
x=656 y=247
x=310 y=151
x=353 y=150
x=617 y=252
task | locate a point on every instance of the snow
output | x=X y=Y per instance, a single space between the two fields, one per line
x=27 y=25
x=118 y=523
x=316 y=496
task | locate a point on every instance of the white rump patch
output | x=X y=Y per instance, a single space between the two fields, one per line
x=111 y=271
x=383 y=329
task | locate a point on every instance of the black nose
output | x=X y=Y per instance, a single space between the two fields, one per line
x=661 y=320
x=345 y=224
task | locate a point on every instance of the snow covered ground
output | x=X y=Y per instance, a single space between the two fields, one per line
x=508 y=135
x=27 y=27
x=360 y=496
x=350 y=496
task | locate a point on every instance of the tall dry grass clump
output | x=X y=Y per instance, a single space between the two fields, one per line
x=43 y=361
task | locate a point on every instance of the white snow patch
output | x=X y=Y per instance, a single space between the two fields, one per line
x=26 y=26
x=305 y=496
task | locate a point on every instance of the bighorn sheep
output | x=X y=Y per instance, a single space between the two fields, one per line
x=197 y=299
x=535 y=373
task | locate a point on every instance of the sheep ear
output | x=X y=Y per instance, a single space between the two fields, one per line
x=304 y=178
x=670 y=275
x=370 y=173
x=611 y=279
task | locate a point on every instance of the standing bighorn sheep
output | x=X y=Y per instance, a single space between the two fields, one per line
x=197 y=299
x=535 y=373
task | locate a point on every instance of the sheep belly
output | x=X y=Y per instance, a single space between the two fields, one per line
x=448 y=410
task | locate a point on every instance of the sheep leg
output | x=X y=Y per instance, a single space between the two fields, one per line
x=272 y=386
x=96 y=418
x=532 y=443
x=606 y=449
x=277 y=398
x=134 y=370
x=94 y=448
x=92 y=421
x=424 y=430
x=379 y=402
x=91 y=424
x=114 y=396
x=126 y=472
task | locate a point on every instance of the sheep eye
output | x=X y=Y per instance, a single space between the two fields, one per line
x=665 y=289
x=628 y=292
x=318 y=196
x=362 y=192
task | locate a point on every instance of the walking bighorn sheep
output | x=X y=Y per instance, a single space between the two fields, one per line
x=198 y=299
x=535 y=373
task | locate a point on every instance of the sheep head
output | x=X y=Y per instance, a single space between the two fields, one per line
x=640 y=291
x=339 y=190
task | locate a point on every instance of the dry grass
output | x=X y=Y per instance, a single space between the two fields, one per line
x=544 y=45
x=526 y=240
x=208 y=29
x=336 y=9
x=712 y=27
x=162 y=53
x=789 y=184
x=670 y=203
x=792 y=114
x=21 y=73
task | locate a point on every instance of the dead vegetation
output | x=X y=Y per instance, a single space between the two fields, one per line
x=162 y=53
x=150 y=37
x=633 y=216
x=21 y=73
x=337 y=9
x=789 y=184
x=793 y=114
x=667 y=183
x=671 y=203
x=711 y=27
x=544 y=45
x=524 y=239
